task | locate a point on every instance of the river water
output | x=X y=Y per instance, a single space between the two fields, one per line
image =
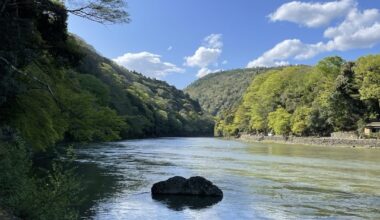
x=259 y=181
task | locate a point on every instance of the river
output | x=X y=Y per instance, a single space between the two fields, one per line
x=259 y=181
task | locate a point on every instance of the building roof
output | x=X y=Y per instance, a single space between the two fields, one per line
x=373 y=124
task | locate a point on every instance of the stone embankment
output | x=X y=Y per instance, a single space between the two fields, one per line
x=320 y=141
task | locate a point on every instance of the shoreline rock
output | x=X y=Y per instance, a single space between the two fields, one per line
x=194 y=186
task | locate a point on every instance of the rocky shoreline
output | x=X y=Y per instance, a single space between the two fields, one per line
x=318 y=141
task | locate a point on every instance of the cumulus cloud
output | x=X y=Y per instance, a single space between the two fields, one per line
x=359 y=29
x=213 y=41
x=206 y=55
x=312 y=14
x=291 y=48
x=147 y=63
x=203 y=57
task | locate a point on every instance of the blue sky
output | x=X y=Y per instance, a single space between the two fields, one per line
x=180 y=41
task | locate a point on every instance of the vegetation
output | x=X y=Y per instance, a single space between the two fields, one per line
x=335 y=95
x=54 y=88
x=220 y=91
x=49 y=192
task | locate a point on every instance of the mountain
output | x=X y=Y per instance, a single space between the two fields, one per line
x=220 y=91
x=151 y=107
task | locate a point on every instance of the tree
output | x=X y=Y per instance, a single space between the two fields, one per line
x=101 y=11
x=300 y=120
x=279 y=121
x=330 y=66
x=367 y=73
x=344 y=106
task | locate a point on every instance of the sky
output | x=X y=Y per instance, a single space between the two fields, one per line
x=181 y=41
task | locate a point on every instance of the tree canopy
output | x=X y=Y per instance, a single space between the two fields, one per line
x=335 y=95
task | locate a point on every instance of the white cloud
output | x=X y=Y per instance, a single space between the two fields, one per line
x=291 y=48
x=224 y=62
x=203 y=57
x=312 y=14
x=147 y=63
x=169 y=48
x=206 y=55
x=205 y=71
x=213 y=41
x=359 y=29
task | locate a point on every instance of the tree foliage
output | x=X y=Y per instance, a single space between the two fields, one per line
x=54 y=89
x=367 y=73
x=335 y=95
x=279 y=121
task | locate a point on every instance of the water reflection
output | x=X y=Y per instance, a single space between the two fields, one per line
x=181 y=202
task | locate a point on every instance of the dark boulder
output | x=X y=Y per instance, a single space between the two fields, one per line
x=197 y=186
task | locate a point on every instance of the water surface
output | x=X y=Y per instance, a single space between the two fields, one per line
x=259 y=181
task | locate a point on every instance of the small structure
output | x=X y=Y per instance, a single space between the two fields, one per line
x=372 y=129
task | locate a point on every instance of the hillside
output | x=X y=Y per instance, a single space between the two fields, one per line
x=220 y=91
x=151 y=107
x=334 y=95
x=55 y=90
x=77 y=95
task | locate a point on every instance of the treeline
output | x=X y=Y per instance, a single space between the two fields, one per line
x=56 y=89
x=334 y=95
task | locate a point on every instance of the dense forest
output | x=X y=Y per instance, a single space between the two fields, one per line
x=55 y=89
x=218 y=92
x=334 y=95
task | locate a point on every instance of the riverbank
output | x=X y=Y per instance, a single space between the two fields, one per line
x=319 y=141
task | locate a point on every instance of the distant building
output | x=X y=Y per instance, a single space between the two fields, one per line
x=372 y=128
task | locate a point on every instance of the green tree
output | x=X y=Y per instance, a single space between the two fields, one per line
x=344 y=106
x=330 y=66
x=300 y=120
x=279 y=121
x=367 y=74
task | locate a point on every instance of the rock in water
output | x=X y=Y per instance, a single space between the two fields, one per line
x=197 y=186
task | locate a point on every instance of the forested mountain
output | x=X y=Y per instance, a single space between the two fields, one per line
x=78 y=95
x=335 y=95
x=54 y=88
x=150 y=107
x=217 y=92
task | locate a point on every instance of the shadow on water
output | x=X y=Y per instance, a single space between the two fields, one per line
x=97 y=185
x=180 y=202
